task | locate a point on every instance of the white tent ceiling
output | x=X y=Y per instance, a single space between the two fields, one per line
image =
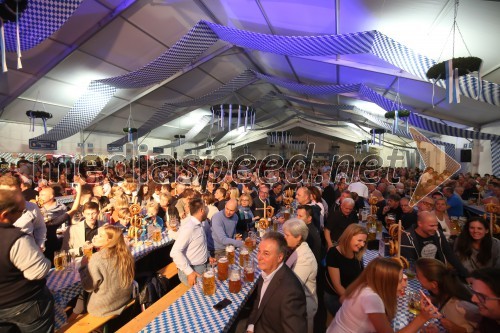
x=106 y=38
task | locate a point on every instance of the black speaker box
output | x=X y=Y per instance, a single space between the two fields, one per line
x=466 y=155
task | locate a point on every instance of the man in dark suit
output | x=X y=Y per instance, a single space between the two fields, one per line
x=280 y=305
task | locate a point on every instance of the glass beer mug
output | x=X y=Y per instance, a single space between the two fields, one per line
x=208 y=280
x=230 y=254
x=244 y=256
x=234 y=279
x=249 y=271
x=222 y=268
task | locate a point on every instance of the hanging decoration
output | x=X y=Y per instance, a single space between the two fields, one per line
x=334 y=148
x=41 y=115
x=366 y=144
x=130 y=129
x=180 y=138
x=243 y=115
x=10 y=11
x=397 y=111
x=358 y=147
x=450 y=70
x=377 y=133
x=246 y=150
x=279 y=137
x=210 y=143
x=298 y=145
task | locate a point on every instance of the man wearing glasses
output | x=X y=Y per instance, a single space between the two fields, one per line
x=258 y=204
x=486 y=295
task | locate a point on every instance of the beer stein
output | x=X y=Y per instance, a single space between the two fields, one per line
x=59 y=260
x=249 y=271
x=87 y=249
x=244 y=256
x=234 y=279
x=222 y=268
x=208 y=280
x=230 y=254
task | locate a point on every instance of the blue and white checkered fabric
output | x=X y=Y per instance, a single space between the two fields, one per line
x=141 y=251
x=40 y=20
x=359 y=42
x=64 y=287
x=495 y=156
x=440 y=128
x=194 y=312
x=81 y=115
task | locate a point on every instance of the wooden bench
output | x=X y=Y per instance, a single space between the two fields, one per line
x=147 y=316
x=87 y=323
x=169 y=271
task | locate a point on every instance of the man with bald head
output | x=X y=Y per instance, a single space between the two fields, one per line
x=51 y=210
x=339 y=220
x=224 y=228
x=425 y=240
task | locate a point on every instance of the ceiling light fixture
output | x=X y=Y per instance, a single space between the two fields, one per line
x=226 y=114
x=450 y=70
x=279 y=137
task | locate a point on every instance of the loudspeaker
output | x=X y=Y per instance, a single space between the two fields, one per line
x=466 y=155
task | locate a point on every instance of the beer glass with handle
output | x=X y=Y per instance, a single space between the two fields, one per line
x=208 y=279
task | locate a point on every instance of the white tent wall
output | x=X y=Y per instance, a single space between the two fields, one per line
x=485 y=165
x=14 y=137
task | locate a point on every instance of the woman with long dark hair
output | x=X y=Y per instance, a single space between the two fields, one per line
x=475 y=247
x=449 y=294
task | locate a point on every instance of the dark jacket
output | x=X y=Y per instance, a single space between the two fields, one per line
x=411 y=249
x=283 y=306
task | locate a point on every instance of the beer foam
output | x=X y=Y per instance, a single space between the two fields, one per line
x=209 y=274
x=223 y=259
x=244 y=251
x=230 y=248
x=235 y=276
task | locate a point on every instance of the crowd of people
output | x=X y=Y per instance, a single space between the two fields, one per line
x=310 y=273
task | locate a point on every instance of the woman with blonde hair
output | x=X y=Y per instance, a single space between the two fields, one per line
x=109 y=274
x=245 y=216
x=120 y=202
x=303 y=263
x=370 y=302
x=234 y=193
x=344 y=263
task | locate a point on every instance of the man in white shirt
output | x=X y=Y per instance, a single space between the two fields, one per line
x=280 y=305
x=190 y=252
x=359 y=187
